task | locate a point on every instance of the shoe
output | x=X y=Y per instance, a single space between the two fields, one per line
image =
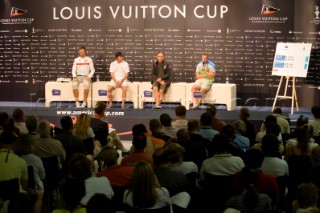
x=195 y=107
x=84 y=104
x=109 y=106
x=77 y=104
x=156 y=106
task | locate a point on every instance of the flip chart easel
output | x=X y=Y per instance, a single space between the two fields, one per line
x=291 y=60
x=293 y=97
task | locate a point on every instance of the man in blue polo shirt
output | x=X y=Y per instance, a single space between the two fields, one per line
x=205 y=73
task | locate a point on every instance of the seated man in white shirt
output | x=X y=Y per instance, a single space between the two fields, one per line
x=82 y=71
x=119 y=70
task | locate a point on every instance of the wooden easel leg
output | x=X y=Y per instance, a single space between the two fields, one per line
x=295 y=93
x=275 y=99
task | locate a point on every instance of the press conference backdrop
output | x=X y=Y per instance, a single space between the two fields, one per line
x=39 y=40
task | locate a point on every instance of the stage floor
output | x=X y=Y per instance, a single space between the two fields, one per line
x=124 y=119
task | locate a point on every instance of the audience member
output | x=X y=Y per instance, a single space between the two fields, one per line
x=139 y=143
x=82 y=128
x=306 y=199
x=46 y=146
x=281 y=121
x=174 y=181
x=269 y=120
x=251 y=200
x=316 y=122
x=118 y=175
x=229 y=132
x=240 y=140
x=250 y=132
x=32 y=125
x=11 y=166
x=216 y=124
x=157 y=130
x=100 y=203
x=197 y=148
x=302 y=120
x=18 y=117
x=180 y=121
x=3 y=118
x=146 y=192
x=205 y=126
x=153 y=143
x=267 y=184
x=99 y=123
x=273 y=163
x=222 y=163
x=25 y=150
x=167 y=128
x=70 y=143
x=73 y=190
x=81 y=168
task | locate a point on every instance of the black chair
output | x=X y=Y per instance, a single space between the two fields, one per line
x=31 y=181
x=51 y=182
x=218 y=190
x=117 y=198
x=282 y=185
x=9 y=189
x=128 y=209
x=89 y=146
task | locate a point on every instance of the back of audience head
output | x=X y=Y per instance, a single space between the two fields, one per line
x=220 y=143
x=139 y=129
x=249 y=178
x=73 y=190
x=44 y=128
x=182 y=136
x=307 y=195
x=8 y=139
x=160 y=158
x=270 y=145
x=66 y=123
x=315 y=110
x=273 y=128
x=239 y=126
x=165 y=120
x=270 y=119
x=253 y=158
x=32 y=123
x=82 y=125
x=100 y=108
x=302 y=120
x=21 y=203
x=206 y=119
x=79 y=167
x=100 y=203
x=277 y=110
x=180 y=111
x=10 y=127
x=143 y=186
x=244 y=113
x=304 y=134
x=193 y=125
x=174 y=153
x=3 y=118
x=18 y=115
x=212 y=110
x=155 y=125
x=139 y=142
x=109 y=156
x=228 y=131
x=25 y=145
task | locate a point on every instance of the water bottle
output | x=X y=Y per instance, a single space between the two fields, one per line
x=227 y=80
x=98 y=78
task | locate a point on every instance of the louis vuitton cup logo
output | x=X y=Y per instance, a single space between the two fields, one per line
x=267 y=10
x=17 y=12
x=317 y=12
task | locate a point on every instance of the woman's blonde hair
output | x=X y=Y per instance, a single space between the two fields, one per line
x=144 y=194
x=82 y=126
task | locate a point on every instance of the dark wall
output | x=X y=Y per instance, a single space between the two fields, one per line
x=39 y=40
